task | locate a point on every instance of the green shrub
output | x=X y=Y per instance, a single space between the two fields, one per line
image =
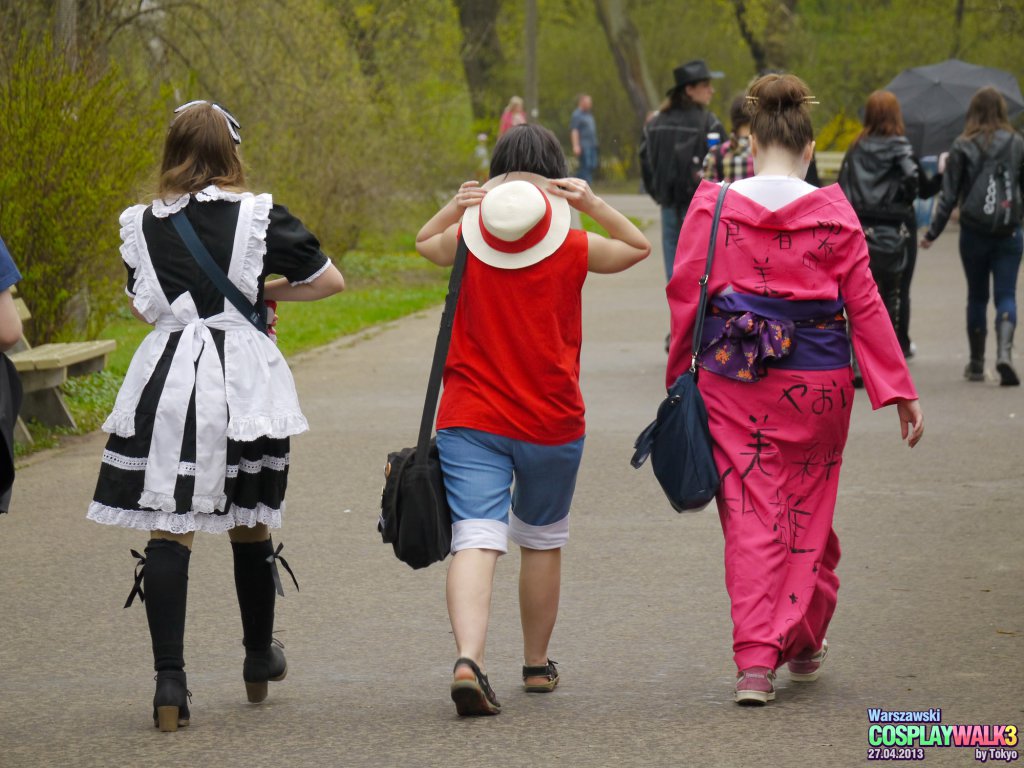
x=75 y=144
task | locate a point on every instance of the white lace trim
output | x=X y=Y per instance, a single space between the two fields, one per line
x=314 y=276
x=120 y=423
x=256 y=244
x=129 y=243
x=250 y=428
x=214 y=192
x=162 y=208
x=132 y=243
x=128 y=463
x=143 y=520
x=164 y=502
x=188 y=468
x=274 y=463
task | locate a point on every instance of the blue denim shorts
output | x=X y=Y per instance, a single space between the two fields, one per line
x=486 y=476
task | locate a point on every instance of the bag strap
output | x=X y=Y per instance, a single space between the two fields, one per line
x=444 y=338
x=216 y=274
x=702 y=305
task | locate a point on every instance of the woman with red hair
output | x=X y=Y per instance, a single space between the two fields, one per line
x=881 y=177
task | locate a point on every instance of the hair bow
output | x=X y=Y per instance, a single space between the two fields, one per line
x=233 y=125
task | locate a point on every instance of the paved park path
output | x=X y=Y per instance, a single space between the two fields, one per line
x=931 y=610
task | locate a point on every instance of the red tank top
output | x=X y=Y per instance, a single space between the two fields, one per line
x=513 y=368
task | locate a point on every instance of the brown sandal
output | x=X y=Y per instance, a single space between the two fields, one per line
x=473 y=698
x=549 y=670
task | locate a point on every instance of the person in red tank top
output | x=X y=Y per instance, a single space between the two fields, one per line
x=511 y=419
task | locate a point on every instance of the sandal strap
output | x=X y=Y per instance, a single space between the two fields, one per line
x=481 y=678
x=548 y=670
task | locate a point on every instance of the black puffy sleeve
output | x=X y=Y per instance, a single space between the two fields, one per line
x=292 y=250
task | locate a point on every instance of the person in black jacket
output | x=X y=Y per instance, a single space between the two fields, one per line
x=674 y=146
x=879 y=176
x=985 y=178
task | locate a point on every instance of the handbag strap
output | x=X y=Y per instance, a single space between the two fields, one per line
x=444 y=338
x=216 y=274
x=702 y=305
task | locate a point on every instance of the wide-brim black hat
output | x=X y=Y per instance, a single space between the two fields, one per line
x=695 y=71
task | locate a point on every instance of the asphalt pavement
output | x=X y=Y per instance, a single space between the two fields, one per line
x=930 y=607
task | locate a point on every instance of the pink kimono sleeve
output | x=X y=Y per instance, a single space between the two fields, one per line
x=683 y=290
x=882 y=365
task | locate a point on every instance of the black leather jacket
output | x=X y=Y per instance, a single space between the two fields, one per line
x=659 y=151
x=965 y=162
x=880 y=178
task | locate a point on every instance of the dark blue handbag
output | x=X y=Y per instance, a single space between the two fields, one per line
x=678 y=440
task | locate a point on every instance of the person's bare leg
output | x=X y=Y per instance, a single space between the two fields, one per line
x=470 y=582
x=244 y=535
x=540 y=581
x=185 y=539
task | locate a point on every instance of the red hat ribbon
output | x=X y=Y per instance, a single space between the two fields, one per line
x=528 y=240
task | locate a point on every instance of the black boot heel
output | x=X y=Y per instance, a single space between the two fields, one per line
x=170 y=702
x=261 y=667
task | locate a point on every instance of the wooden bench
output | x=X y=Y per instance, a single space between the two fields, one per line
x=44 y=368
x=828 y=165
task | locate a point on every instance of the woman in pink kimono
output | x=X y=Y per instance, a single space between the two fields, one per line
x=790 y=267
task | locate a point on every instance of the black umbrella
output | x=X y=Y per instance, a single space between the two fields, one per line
x=934 y=100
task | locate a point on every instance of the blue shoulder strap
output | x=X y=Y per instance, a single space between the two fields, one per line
x=216 y=274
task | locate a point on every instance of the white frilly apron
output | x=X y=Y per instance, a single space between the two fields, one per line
x=254 y=385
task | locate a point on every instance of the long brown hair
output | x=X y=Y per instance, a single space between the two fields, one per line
x=882 y=116
x=198 y=152
x=986 y=114
x=677 y=98
x=779 y=112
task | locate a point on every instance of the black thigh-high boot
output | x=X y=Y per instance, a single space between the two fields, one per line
x=165 y=583
x=254 y=583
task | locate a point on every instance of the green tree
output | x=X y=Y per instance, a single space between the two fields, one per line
x=75 y=143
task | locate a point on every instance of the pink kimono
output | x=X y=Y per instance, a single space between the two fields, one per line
x=778 y=387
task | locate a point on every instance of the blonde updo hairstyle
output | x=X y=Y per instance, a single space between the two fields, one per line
x=780 y=113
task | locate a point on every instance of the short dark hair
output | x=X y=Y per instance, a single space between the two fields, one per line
x=529 y=148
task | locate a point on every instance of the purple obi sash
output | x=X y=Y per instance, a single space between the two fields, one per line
x=744 y=334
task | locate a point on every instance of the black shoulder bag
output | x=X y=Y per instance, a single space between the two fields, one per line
x=678 y=440
x=414 y=515
x=203 y=258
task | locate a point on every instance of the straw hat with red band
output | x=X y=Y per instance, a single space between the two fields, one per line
x=517 y=224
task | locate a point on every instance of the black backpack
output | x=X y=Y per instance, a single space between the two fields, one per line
x=993 y=203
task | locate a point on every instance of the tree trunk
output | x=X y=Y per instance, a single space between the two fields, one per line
x=67 y=29
x=769 y=52
x=530 y=90
x=481 y=53
x=624 y=41
x=958 y=28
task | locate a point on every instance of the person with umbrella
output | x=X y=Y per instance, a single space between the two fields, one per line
x=985 y=178
x=935 y=98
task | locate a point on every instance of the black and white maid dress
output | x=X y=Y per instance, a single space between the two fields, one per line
x=199 y=434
